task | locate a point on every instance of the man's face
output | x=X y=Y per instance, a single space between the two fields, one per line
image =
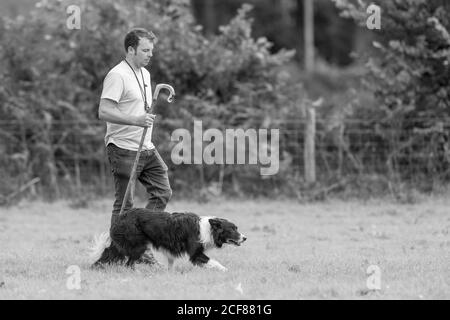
x=143 y=53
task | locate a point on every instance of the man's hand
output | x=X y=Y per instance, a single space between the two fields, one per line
x=145 y=120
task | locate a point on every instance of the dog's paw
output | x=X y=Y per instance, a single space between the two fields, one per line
x=213 y=264
x=223 y=269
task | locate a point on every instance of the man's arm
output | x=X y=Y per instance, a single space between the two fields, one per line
x=108 y=111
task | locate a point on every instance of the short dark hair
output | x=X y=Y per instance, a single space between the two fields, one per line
x=132 y=37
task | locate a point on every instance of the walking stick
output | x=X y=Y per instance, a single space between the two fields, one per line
x=132 y=180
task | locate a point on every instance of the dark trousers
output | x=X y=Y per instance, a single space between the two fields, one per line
x=151 y=172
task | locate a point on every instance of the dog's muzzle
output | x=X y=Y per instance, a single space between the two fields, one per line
x=238 y=242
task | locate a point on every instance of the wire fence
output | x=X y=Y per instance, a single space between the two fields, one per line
x=70 y=156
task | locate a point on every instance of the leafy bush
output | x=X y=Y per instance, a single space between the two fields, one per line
x=411 y=80
x=52 y=79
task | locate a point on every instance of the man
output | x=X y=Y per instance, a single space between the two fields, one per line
x=126 y=95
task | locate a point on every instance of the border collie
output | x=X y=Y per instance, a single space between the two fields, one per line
x=175 y=235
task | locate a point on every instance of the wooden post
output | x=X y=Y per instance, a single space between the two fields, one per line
x=309 y=153
x=77 y=176
x=308 y=18
x=341 y=150
x=51 y=161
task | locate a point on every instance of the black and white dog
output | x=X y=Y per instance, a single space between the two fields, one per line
x=175 y=235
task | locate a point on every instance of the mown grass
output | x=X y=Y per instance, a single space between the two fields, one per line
x=293 y=251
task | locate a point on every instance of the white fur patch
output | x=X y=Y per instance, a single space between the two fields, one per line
x=205 y=232
x=213 y=264
x=101 y=242
x=169 y=256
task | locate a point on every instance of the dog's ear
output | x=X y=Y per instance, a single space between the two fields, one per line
x=215 y=224
x=217 y=231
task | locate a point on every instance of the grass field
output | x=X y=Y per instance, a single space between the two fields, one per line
x=293 y=251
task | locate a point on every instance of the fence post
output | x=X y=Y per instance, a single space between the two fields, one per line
x=309 y=154
x=310 y=141
x=340 y=151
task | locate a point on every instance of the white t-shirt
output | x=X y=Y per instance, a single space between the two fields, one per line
x=121 y=86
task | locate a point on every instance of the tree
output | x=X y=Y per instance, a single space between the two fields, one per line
x=227 y=80
x=410 y=76
x=308 y=29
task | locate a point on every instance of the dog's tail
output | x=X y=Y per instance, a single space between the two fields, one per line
x=101 y=242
